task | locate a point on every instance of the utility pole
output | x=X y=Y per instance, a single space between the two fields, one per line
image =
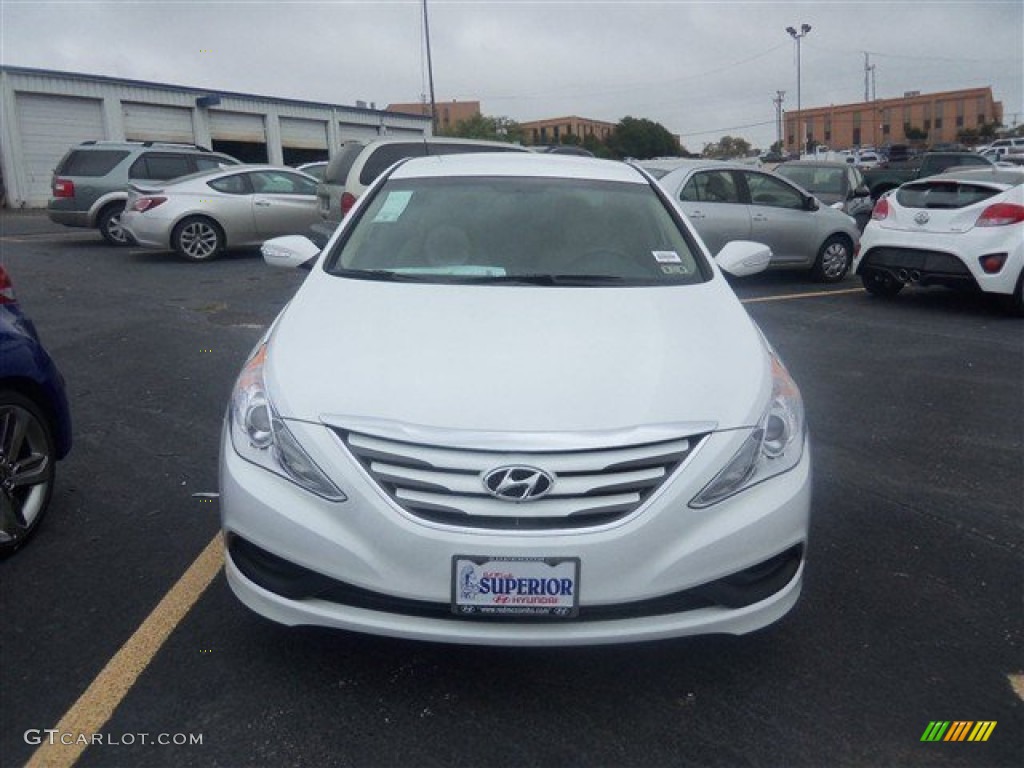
x=430 y=71
x=798 y=36
x=869 y=72
x=778 y=117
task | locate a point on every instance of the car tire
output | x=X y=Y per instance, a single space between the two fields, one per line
x=834 y=260
x=197 y=238
x=109 y=225
x=880 y=283
x=27 y=468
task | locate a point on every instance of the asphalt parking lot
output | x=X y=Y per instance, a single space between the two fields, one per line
x=911 y=611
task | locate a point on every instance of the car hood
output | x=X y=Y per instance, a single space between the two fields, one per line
x=517 y=359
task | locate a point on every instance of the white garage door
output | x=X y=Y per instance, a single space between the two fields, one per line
x=237 y=126
x=49 y=127
x=350 y=131
x=153 y=122
x=303 y=134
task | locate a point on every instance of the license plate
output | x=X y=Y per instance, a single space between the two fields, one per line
x=515 y=586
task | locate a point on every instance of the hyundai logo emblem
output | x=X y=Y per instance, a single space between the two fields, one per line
x=922 y=218
x=518 y=483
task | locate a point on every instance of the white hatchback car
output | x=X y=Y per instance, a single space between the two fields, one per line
x=962 y=229
x=515 y=402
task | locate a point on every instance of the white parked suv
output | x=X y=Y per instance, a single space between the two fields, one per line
x=358 y=163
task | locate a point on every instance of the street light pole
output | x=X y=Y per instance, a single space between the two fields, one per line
x=798 y=36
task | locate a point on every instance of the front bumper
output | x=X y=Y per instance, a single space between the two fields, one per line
x=365 y=565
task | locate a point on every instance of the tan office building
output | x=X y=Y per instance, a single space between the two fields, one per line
x=941 y=116
x=553 y=130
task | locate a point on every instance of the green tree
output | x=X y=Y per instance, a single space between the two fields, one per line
x=485 y=127
x=726 y=147
x=642 y=139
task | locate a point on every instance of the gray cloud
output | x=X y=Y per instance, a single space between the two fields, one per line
x=701 y=68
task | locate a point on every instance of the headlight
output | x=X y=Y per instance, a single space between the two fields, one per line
x=259 y=435
x=773 y=447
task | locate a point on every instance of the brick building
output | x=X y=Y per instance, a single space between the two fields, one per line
x=941 y=116
x=449 y=113
x=553 y=130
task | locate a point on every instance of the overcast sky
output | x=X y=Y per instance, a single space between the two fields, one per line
x=702 y=69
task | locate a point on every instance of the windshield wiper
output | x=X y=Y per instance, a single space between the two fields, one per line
x=549 y=279
x=386 y=275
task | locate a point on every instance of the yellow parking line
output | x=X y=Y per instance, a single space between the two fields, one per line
x=94 y=707
x=808 y=295
x=30 y=236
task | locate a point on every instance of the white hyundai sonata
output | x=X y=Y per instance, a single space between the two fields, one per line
x=516 y=403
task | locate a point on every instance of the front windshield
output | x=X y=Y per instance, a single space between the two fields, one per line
x=511 y=230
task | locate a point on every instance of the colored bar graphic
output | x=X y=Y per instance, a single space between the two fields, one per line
x=958 y=730
x=982 y=730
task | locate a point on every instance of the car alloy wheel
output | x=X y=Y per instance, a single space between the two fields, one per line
x=197 y=239
x=834 y=260
x=110 y=225
x=27 y=458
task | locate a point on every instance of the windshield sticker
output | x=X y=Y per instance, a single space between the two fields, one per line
x=394 y=206
x=675 y=269
x=666 y=257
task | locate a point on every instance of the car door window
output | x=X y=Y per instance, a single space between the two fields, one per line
x=238 y=184
x=158 y=166
x=710 y=187
x=212 y=162
x=767 y=190
x=281 y=183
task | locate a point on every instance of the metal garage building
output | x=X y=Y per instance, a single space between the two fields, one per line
x=44 y=113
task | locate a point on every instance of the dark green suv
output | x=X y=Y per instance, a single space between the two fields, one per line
x=90 y=182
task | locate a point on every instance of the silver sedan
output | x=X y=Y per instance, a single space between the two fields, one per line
x=199 y=216
x=731 y=201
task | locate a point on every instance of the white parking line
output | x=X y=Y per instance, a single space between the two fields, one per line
x=29 y=237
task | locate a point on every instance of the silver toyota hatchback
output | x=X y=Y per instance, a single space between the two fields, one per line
x=731 y=201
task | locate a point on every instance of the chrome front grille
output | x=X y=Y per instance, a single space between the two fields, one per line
x=446 y=484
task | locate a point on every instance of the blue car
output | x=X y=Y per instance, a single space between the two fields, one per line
x=35 y=423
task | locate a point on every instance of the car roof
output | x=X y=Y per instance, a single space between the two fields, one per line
x=444 y=140
x=527 y=164
x=812 y=164
x=1005 y=177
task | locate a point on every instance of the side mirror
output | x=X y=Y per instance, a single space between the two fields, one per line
x=811 y=203
x=290 y=252
x=862 y=191
x=741 y=258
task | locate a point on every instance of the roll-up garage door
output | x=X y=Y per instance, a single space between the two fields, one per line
x=49 y=127
x=237 y=126
x=303 y=134
x=153 y=122
x=239 y=134
x=349 y=131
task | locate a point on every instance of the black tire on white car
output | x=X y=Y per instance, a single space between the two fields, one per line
x=878 y=282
